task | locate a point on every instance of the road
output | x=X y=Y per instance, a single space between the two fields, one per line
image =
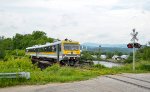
x=108 y=83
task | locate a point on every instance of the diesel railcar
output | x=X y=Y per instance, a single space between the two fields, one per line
x=65 y=52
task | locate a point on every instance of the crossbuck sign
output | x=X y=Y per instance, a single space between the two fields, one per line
x=134 y=34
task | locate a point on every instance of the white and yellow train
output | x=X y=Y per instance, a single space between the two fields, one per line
x=64 y=52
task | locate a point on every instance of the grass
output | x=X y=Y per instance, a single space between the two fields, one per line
x=50 y=74
x=139 y=67
x=59 y=74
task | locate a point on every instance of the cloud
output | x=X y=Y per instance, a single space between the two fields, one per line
x=105 y=21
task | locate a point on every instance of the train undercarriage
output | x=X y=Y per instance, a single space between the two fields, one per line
x=43 y=62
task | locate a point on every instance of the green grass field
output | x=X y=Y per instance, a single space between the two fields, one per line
x=59 y=74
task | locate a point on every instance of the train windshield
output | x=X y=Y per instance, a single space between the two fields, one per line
x=71 y=46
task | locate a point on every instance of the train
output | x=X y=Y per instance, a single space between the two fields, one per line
x=65 y=52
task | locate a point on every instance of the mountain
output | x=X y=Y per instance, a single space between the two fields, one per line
x=104 y=45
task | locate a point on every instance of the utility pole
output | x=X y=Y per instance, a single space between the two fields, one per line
x=134 y=34
x=99 y=53
x=86 y=48
x=133 y=55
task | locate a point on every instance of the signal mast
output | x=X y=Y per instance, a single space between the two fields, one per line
x=134 y=45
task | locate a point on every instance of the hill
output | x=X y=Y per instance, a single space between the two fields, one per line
x=106 y=47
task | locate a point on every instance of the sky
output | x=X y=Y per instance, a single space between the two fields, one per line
x=96 y=21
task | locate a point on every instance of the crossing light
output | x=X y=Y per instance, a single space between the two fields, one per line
x=130 y=45
x=136 y=45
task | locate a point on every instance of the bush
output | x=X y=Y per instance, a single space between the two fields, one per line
x=2 y=53
x=8 y=58
x=86 y=56
x=16 y=52
x=145 y=67
x=54 y=68
x=129 y=60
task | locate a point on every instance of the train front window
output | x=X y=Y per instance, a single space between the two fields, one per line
x=71 y=47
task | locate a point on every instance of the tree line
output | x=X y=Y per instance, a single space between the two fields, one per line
x=20 y=41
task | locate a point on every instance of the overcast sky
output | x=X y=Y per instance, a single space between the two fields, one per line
x=98 y=21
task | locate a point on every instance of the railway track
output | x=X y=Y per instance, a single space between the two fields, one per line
x=131 y=80
x=135 y=78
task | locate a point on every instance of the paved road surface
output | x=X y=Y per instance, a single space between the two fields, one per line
x=109 y=83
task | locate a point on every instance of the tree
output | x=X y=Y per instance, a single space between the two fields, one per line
x=17 y=41
x=21 y=42
x=109 y=55
x=118 y=53
x=7 y=44
x=38 y=34
x=2 y=47
x=27 y=41
x=86 y=56
x=143 y=53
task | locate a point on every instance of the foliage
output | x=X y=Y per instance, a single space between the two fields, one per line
x=56 y=73
x=2 y=53
x=99 y=66
x=144 y=53
x=118 y=53
x=86 y=56
x=139 y=67
x=129 y=59
x=109 y=55
x=143 y=65
x=23 y=41
x=20 y=42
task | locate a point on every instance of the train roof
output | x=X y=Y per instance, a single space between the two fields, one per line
x=50 y=44
x=45 y=45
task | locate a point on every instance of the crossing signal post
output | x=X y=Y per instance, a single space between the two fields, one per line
x=134 y=45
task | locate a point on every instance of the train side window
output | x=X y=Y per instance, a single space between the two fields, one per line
x=53 y=48
x=45 y=49
x=32 y=50
x=49 y=49
x=40 y=49
x=37 y=49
